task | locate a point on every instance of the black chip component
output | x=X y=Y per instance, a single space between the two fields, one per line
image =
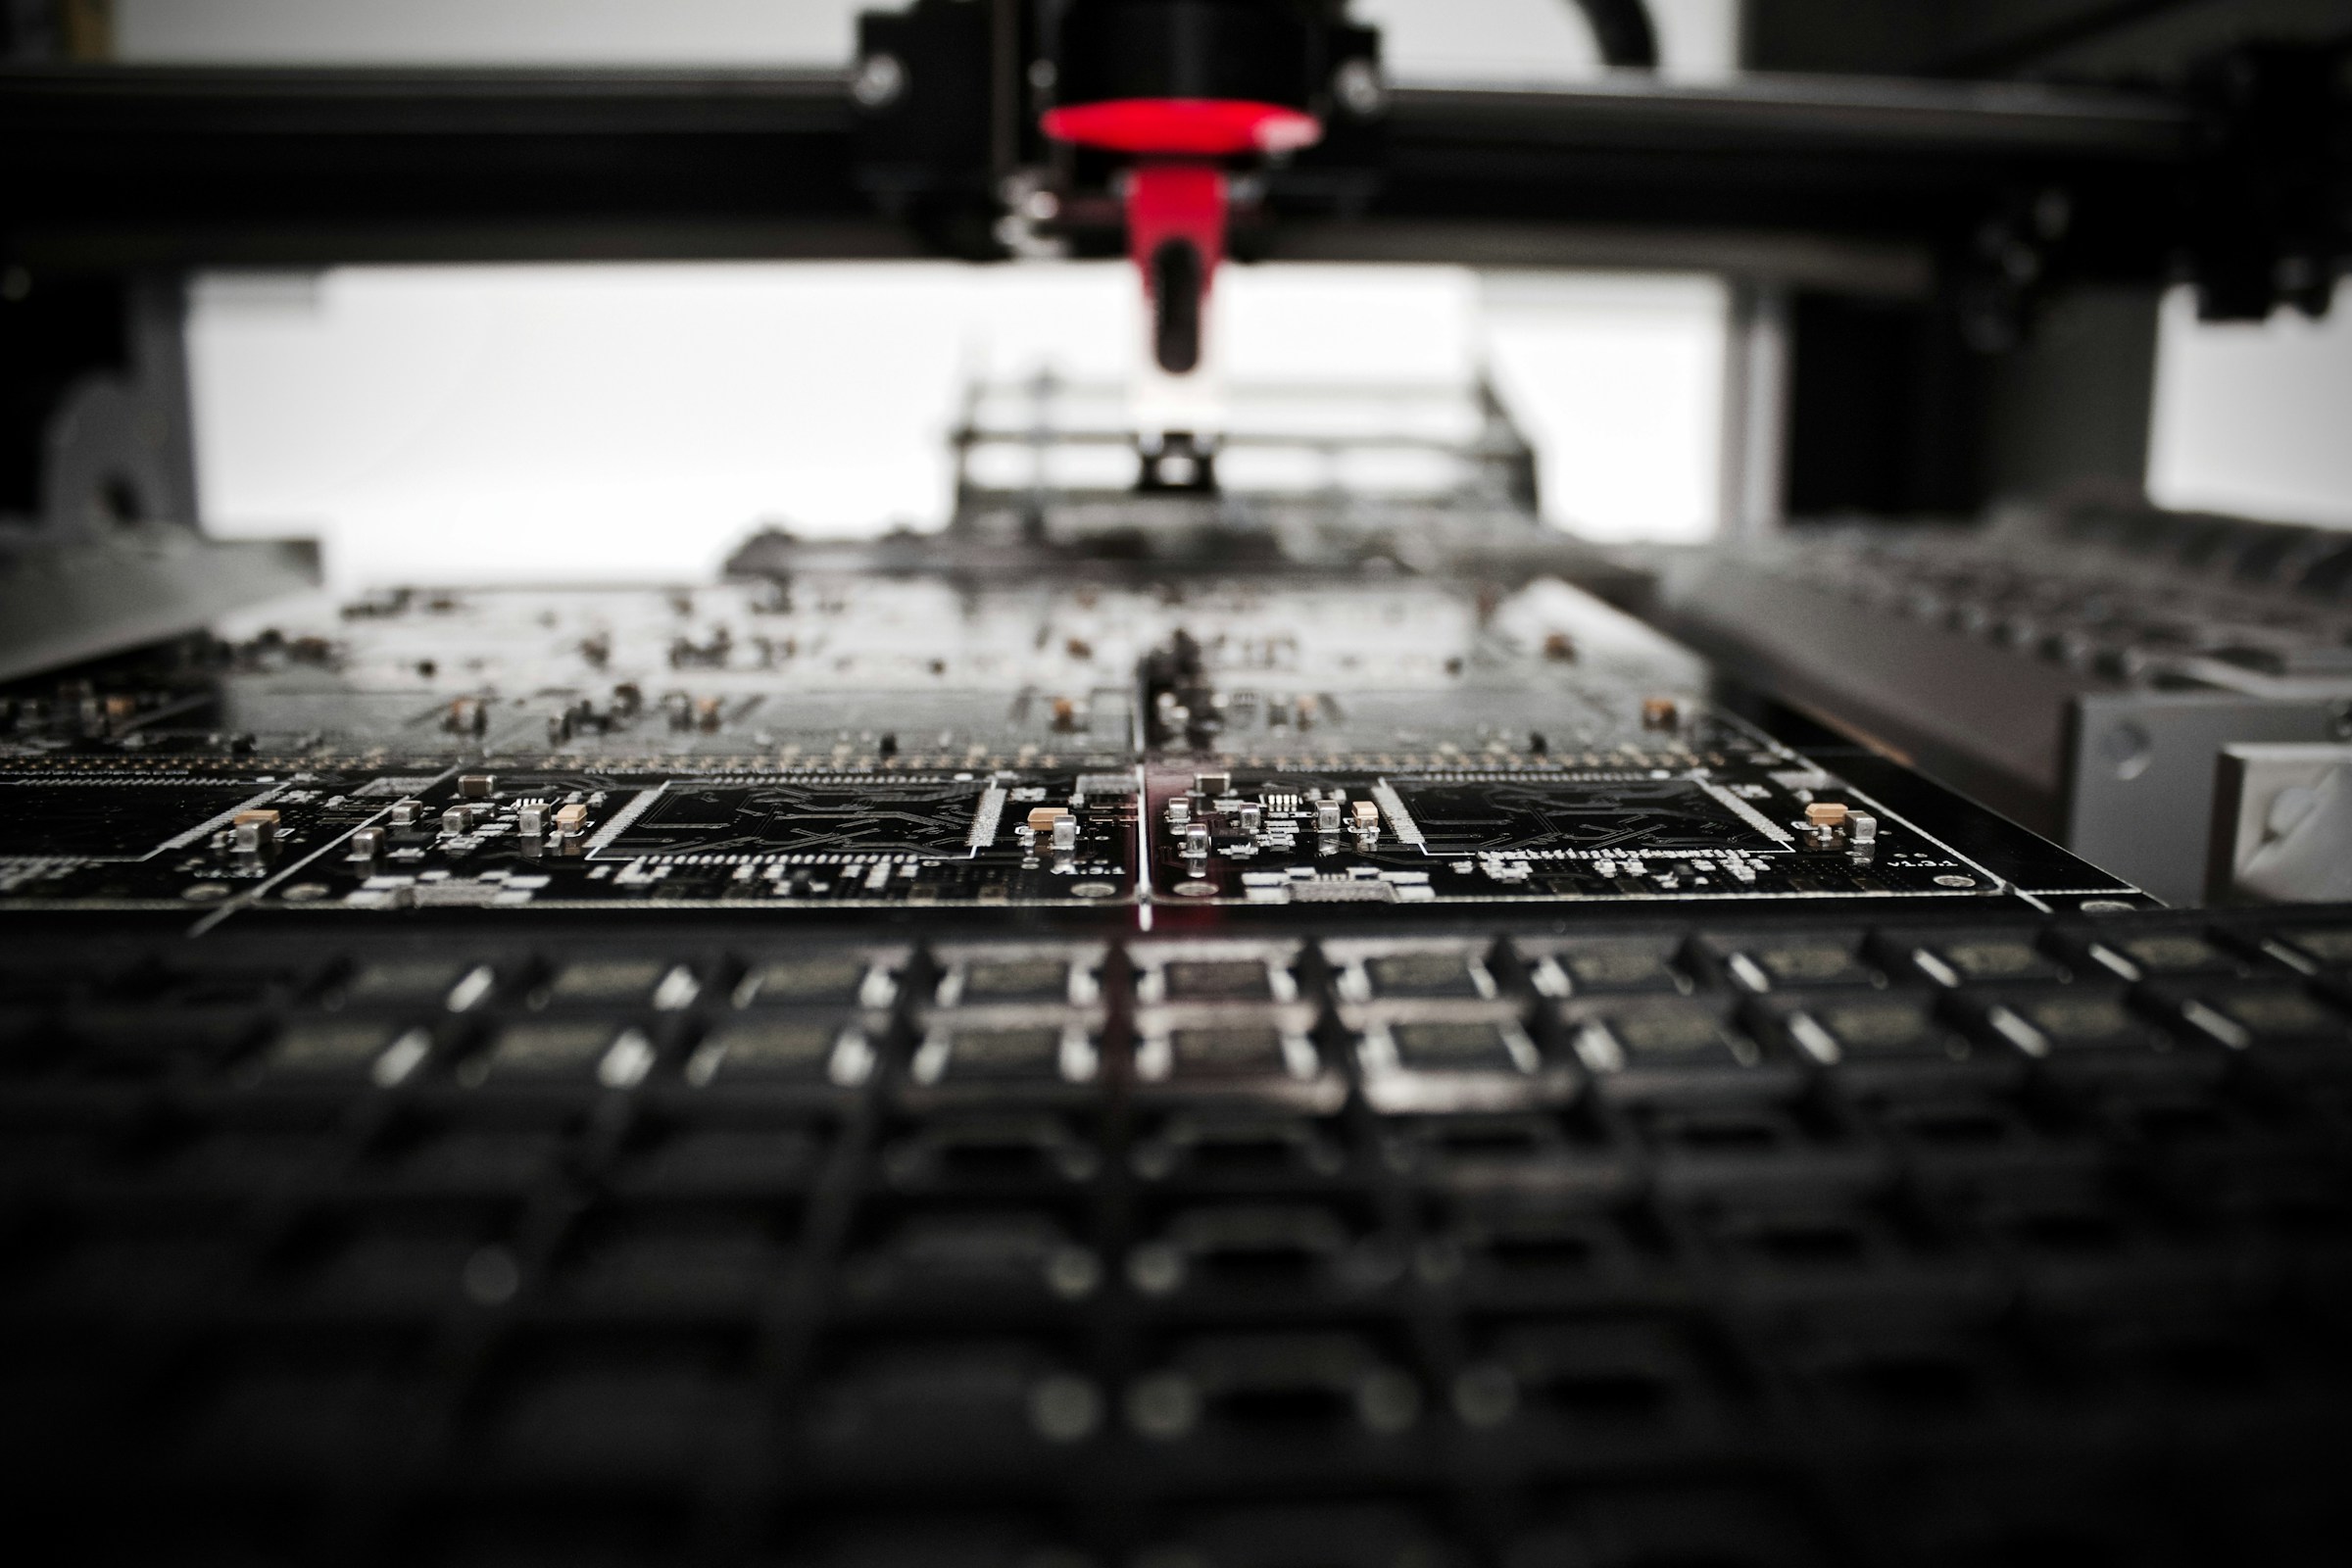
x=1800 y=963
x=1217 y=980
x=1992 y=958
x=2331 y=947
x=829 y=978
x=2279 y=1014
x=1019 y=1050
x=881 y=816
x=608 y=981
x=788 y=1049
x=1464 y=818
x=1671 y=1034
x=1016 y=979
x=1615 y=966
x=1440 y=973
x=2176 y=953
x=339 y=1049
x=1426 y=1044
x=1887 y=1029
x=2090 y=1021
x=407 y=980
x=542 y=1053
x=1221 y=1049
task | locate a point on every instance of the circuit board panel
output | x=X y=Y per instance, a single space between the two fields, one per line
x=885 y=743
x=1733 y=828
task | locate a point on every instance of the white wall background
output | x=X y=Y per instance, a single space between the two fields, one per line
x=605 y=421
x=673 y=32
x=611 y=421
x=2255 y=418
x=1521 y=39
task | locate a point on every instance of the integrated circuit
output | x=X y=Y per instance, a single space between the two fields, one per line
x=1505 y=816
x=923 y=816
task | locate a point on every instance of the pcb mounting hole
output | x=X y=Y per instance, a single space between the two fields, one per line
x=1196 y=890
x=306 y=892
x=1955 y=881
x=204 y=892
x=1094 y=890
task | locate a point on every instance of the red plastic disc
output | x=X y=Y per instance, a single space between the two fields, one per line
x=1186 y=127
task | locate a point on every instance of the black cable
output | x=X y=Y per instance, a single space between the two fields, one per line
x=1622 y=29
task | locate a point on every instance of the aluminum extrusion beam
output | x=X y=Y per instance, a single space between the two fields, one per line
x=115 y=167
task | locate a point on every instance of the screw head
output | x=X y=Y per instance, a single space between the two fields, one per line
x=1357 y=86
x=2128 y=749
x=880 y=81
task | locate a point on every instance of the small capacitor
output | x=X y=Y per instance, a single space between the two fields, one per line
x=404 y=812
x=367 y=844
x=1065 y=834
x=253 y=832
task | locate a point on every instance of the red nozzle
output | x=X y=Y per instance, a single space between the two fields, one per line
x=1176 y=202
x=1176 y=234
